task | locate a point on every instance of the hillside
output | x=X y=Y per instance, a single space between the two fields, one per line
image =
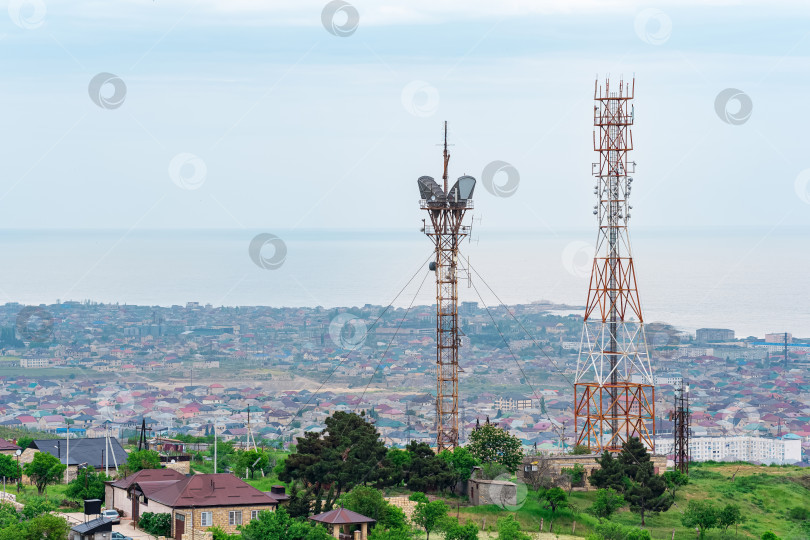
x=764 y=494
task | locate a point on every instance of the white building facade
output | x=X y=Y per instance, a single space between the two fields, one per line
x=784 y=451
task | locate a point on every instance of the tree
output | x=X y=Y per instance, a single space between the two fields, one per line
x=454 y=531
x=700 y=514
x=24 y=442
x=428 y=515
x=509 y=529
x=88 y=484
x=279 y=525
x=553 y=499
x=300 y=502
x=770 y=536
x=609 y=474
x=37 y=506
x=675 y=480
x=647 y=493
x=371 y=503
x=576 y=474
x=580 y=450
x=347 y=453
x=44 y=469
x=606 y=503
x=9 y=468
x=251 y=461
x=142 y=459
x=461 y=460
x=44 y=526
x=633 y=457
x=491 y=444
x=427 y=471
x=729 y=515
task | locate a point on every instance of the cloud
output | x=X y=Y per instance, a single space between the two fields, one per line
x=376 y=13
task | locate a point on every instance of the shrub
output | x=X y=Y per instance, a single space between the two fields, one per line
x=156 y=524
x=799 y=512
x=219 y=534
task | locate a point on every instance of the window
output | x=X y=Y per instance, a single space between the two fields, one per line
x=235 y=517
x=206 y=519
x=254 y=514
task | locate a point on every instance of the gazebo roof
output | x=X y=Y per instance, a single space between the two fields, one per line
x=341 y=516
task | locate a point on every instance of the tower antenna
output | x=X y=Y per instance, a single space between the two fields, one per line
x=446 y=209
x=681 y=431
x=446 y=157
x=609 y=406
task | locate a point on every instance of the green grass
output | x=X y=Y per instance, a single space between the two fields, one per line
x=9 y=434
x=765 y=496
x=56 y=372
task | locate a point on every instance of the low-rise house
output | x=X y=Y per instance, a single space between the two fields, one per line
x=8 y=448
x=198 y=502
x=82 y=452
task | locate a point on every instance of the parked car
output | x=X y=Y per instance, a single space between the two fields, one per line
x=119 y=536
x=111 y=514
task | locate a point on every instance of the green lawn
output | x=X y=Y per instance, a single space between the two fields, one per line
x=764 y=494
x=56 y=372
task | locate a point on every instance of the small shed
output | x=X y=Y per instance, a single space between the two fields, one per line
x=341 y=522
x=97 y=529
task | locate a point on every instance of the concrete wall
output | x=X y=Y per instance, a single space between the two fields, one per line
x=558 y=463
x=497 y=492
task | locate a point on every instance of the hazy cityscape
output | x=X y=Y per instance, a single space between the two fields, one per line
x=187 y=368
x=422 y=270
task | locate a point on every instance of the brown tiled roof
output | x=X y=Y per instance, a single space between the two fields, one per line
x=341 y=516
x=208 y=490
x=5 y=446
x=149 y=475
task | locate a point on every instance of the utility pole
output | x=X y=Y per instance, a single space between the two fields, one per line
x=67 y=454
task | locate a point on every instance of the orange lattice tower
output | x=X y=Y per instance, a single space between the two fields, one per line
x=610 y=404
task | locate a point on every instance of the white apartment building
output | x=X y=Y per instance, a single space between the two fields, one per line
x=38 y=362
x=672 y=379
x=784 y=451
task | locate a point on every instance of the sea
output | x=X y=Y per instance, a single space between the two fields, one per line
x=752 y=281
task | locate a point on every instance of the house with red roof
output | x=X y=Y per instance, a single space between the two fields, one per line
x=194 y=502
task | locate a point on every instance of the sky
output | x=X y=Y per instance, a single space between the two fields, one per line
x=306 y=114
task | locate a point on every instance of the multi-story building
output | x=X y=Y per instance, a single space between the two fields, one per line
x=671 y=379
x=779 y=337
x=785 y=450
x=513 y=402
x=35 y=362
x=705 y=335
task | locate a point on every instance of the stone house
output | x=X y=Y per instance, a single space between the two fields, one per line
x=194 y=502
x=8 y=448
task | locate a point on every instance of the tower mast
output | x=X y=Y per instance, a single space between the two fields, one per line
x=609 y=407
x=681 y=421
x=446 y=209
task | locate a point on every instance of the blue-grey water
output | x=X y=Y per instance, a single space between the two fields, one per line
x=752 y=281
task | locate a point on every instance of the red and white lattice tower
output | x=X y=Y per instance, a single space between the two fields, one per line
x=610 y=404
